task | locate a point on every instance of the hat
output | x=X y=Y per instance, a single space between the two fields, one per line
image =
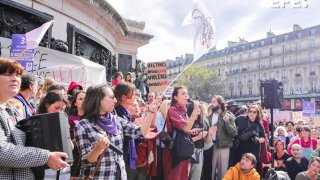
x=40 y=79
x=72 y=85
x=231 y=103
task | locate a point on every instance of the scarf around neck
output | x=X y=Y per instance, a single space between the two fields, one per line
x=108 y=124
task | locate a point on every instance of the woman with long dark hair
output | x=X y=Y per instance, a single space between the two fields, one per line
x=250 y=133
x=124 y=93
x=177 y=120
x=76 y=112
x=52 y=102
x=99 y=128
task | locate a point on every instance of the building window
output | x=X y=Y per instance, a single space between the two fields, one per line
x=240 y=92
x=265 y=76
x=299 y=86
x=298 y=46
x=249 y=55
x=299 y=35
x=313 y=86
x=272 y=74
x=262 y=43
x=250 y=78
x=240 y=57
x=298 y=59
x=312 y=69
x=261 y=64
x=285 y=87
x=250 y=67
x=250 y=91
x=270 y=52
x=283 y=61
x=285 y=73
x=311 y=56
x=231 y=92
x=252 y=45
x=313 y=32
x=298 y=71
x=273 y=40
x=312 y=43
x=260 y=76
x=243 y=47
x=231 y=58
x=286 y=37
x=284 y=48
x=260 y=53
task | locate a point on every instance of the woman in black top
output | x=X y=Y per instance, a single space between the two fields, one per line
x=250 y=133
x=296 y=163
x=280 y=156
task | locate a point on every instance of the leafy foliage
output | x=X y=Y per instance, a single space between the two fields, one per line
x=202 y=82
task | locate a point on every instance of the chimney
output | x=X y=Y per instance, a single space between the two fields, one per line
x=296 y=27
x=270 y=34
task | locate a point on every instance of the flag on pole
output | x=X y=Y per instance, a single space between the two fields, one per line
x=205 y=37
x=34 y=37
x=24 y=45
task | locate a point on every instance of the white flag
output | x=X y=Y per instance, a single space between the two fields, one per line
x=34 y=37
x=205 y=37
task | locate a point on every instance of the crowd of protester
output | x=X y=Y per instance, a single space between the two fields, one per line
x=214 y=141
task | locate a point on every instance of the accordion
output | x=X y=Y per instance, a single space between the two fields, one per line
x=48 y=131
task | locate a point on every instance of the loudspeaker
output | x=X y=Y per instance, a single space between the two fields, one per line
x=272 y=94
x=48 y=131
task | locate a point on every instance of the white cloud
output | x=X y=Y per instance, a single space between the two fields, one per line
x=234 y=18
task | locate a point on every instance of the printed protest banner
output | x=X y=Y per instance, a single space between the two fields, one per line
x=62 y=67
x=19 y=52
x=157 y=76
x=308 y=109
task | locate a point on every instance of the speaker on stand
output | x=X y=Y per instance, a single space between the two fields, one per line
x=271 y=98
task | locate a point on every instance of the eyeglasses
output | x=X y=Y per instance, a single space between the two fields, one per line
x=112 y=97
x=254 y=112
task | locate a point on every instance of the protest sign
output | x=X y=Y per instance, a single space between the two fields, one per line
x=157 y=76
x=62 y=67
x=308 y=109
x=19 y=52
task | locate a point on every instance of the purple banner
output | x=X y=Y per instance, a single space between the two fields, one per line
x=308 y=109
x=18 y=51
x=19 y=41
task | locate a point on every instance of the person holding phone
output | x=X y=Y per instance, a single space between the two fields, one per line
x=98 y=159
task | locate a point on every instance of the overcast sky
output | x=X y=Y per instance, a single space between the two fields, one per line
x=249 y=19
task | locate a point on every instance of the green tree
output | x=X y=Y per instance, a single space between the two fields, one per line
x=202 y=82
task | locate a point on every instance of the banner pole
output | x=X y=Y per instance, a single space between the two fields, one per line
x=21 y=54
x=177 y=76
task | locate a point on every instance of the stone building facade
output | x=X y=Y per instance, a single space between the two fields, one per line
x=92 y=29
x=292 y=58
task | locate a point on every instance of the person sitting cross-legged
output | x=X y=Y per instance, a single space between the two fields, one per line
x=244 y=169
